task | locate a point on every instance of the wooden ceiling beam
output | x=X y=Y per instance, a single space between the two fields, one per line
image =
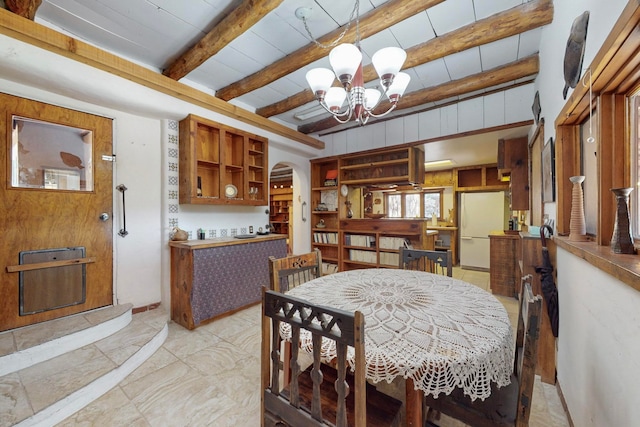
x=378 y=19
x=526 y=67
x=505 y=24
x=233 y=25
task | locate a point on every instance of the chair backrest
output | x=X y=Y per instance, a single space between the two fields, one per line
x=529 y=319
x=322 y=323
x=288 y=272
x=439 y=262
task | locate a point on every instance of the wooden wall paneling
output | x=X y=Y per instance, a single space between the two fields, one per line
x=535 y=177
x=567 y=165
x=611 y=150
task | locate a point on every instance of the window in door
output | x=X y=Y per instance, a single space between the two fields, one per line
x=50 y=156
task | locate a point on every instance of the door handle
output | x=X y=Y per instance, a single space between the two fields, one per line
x=104 y=217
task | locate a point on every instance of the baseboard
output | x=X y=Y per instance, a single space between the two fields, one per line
x=564 y=403
x=144 y=308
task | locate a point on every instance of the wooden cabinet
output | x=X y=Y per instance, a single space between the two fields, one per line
x=387 y=166
x=324 y=221
x=215 y=277
x=280 y=212
x=371 y=243
x=221 y=165
x=478 y=178
x=504 y=275
x=513 y=161
x=442 y=178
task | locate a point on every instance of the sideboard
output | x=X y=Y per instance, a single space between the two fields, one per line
x=214 y=277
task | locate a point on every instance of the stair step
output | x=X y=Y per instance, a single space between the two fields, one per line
x=47 y=392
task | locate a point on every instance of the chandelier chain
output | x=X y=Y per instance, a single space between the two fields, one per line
x=354 y=12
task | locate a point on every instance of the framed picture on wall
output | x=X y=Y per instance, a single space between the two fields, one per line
x=548 y=173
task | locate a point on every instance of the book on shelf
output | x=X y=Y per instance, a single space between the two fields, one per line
x=388 y=242
x=360 y=240
x=330 y=238
x=362 y=256
x=389 y=258
x=329 y=268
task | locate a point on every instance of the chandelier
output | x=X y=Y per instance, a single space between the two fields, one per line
x=346 y=61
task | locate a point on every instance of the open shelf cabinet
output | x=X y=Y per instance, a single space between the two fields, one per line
x=221 y=165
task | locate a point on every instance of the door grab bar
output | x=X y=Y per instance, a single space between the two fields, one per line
x=303 y=205
x=123 y=231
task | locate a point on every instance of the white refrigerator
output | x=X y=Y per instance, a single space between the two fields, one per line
x=480 y=214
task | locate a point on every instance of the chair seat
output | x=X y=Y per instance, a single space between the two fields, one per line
x=382 y=409
x=499 y=409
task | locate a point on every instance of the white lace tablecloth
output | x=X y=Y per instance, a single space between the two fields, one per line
x=441 y=332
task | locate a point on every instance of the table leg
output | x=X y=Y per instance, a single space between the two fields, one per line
x=413 y=404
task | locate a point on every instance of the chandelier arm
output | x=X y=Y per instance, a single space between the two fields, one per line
x=338 y=114
x=393 y=107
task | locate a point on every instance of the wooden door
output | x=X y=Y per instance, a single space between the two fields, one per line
x=56 y=186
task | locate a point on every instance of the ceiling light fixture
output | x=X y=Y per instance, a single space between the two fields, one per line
x=346 y=61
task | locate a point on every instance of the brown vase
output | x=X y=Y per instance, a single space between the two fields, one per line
x=577 y=224
x=621 y=241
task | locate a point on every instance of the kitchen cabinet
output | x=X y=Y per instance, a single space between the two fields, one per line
x=221 y=165
x=214 y=277
x=442 y=178
x=504 y=272
x=513 y=162
x=478 y=178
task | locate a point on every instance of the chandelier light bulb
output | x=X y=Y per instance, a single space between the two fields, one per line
x=335 y=98
x=388 y=62
x=345 y=59
x=371 y=98
x=397 y=88
x=320 y=80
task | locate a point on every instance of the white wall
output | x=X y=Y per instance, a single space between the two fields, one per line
x=144 y=121
x=598 y=365
x=598 y=345
x=502 y=108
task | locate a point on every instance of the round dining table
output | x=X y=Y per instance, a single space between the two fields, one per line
x=437 y=332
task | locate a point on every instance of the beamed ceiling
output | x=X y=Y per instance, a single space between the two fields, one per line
x=255 y=53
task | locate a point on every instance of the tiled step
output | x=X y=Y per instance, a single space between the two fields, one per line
x=45 y=393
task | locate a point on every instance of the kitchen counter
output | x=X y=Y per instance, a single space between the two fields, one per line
x=223 y=241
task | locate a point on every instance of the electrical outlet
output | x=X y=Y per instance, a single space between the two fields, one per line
x=251 y=229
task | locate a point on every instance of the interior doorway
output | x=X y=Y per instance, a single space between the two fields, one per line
x=281 y=212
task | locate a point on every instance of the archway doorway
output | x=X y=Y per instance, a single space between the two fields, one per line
x=281 y=212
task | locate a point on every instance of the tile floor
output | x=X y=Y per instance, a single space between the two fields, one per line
x=210 y=377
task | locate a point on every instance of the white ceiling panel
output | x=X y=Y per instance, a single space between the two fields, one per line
x=463 y=64
x=376 y=42
x=256 y=48
x=499 y=53
x=485 y=8
x=413 y=31
x=433 y=73
x=199 y=14
x=451 y=14
x=279 y=34
x=529 y=43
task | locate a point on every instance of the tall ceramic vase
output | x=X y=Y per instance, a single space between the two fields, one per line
x=621 y=241
x=577 y=225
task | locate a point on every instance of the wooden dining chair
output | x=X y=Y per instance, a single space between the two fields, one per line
x=288 y=272
x=438 y=262
x=509 y=405
x=320 y=395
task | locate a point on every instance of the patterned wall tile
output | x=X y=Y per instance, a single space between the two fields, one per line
x=223 y=232
x=173 y=180
x=173 y=153
x=173 y=194
x=212 y=234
